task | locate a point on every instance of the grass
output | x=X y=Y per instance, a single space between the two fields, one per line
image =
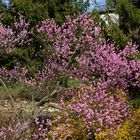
x=24 y=106
x=17 y=92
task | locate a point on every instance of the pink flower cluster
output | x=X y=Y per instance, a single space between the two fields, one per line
x=41 y=126
x=98 y=111
x=6 y=38
x=15 y=36
x=81 y=49
x=17 y=132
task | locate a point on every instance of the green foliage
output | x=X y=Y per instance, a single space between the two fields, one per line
x=136 y=3
x=17 y=92
x=112 y=31
x=33 y=11
x=129 y=19
x=60 y=8
x=115 y=34
x=6 y=14
x=129 y=22
x=38 y=10
x=74 y=83
x=136 y=102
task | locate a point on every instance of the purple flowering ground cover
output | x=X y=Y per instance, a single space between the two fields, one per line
x=83 y=85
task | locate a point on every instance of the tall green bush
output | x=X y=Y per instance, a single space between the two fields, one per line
x=129 y=19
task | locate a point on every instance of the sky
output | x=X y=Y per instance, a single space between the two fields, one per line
x=6 y=2
x=100 y=4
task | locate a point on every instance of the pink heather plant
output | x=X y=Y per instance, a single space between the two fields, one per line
x=19 y=131
x=6 y=38
x=41 y=128
x=37 y=129
x=91 y=112
x=81 y=50
x=15 y=36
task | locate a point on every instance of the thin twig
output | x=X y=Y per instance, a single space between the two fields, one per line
x=46 y=98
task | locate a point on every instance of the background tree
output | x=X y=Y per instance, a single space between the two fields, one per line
x=38 y=10
x=129 y=18
x=136 y=3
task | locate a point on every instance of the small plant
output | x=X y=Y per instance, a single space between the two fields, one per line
x=89 y=113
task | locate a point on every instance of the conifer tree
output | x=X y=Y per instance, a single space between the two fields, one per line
x=38 y=10
x=129 y=14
